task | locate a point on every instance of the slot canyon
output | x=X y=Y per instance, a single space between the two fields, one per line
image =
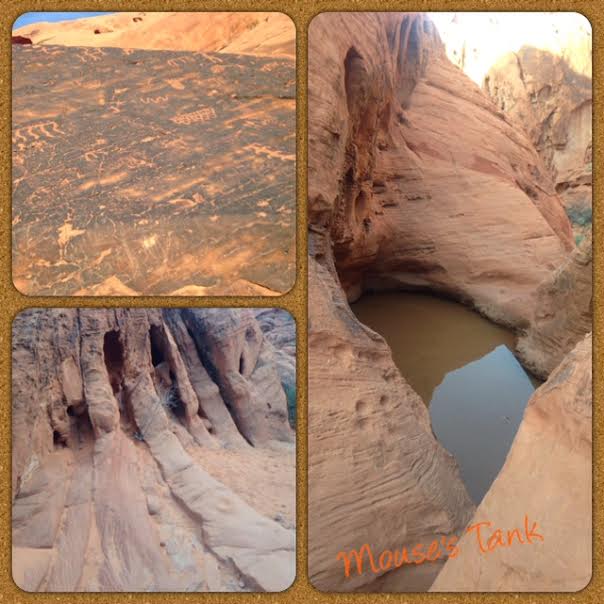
x=450 y=306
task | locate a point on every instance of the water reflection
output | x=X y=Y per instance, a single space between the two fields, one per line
x=476 y=411
x=429 y=336
x=462 y=366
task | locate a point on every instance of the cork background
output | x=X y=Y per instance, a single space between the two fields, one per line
x=295 y=301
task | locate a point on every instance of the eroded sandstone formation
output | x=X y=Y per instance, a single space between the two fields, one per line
x=553 y=104
x=122 y=419
x=376 y=474
x=416 y=181
x=279 y=329
x=537 y=68
x=563 y=314
x=258 y=33
x=546 y=478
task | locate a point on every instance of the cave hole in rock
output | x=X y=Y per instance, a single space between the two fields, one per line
x=175 y=402
x=349 y=181
x=166 y=383
x=113 y=353
x=80 y=424
x=464 y=369
x=349 y=191
x=58 y=439
x=363 y=108
x=157 y=345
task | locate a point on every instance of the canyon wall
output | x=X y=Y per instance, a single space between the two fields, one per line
x=537 y=68
x=475 y=41
x=122 y=419
x=376 y=473
x=553 y=104
x=416 y=181
x=538 y=71
x=563 y=314
x=546 y=479
x=416 y=178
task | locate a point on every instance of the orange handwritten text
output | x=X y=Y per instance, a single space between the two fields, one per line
x=487 y=539
x=389 y=559
x=501 y=538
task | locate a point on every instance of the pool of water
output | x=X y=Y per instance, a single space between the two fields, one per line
x=462 y=366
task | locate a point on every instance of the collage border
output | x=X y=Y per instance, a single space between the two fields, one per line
x=295 y=301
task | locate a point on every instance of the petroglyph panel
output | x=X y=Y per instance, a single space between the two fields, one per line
x=143 y=172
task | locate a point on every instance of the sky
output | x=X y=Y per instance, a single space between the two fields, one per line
x=489 y=36
x=28 y=18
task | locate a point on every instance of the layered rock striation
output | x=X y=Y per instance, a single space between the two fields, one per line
x=376 y=473
x=416 y=179
x=152 y=172
x=553 y=104
x=279 y=328
x=537 y=68
x=119 y=421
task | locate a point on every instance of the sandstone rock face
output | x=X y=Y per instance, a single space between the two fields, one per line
x=552 y=450
x=279 y=329
x=553 y=104
x=541 y=78
x=417 y=179
x=563 y=314
x=537 y=68
x=376 y=474
x=152 y=172
x=121 y=422
x=258 y=33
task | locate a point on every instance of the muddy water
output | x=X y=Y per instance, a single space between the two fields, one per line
x=462 y=366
